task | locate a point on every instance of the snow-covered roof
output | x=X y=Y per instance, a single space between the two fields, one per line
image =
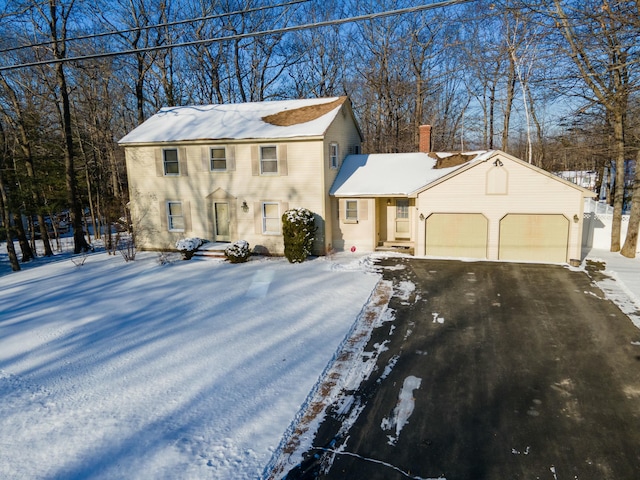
x=395 y=173
x=259 y=120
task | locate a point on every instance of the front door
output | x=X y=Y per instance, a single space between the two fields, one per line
x=221 y=221
x=403 y=225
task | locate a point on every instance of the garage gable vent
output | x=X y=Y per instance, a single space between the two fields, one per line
x=497 y=180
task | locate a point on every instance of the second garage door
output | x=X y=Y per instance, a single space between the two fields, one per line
x=456 y=235
x=537 y=238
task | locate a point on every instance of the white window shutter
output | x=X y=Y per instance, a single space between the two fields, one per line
x=231 y=158
x=363 y=209
x=186 y=211
x=283 y=168
x=257 y=217
x=159 y=162
x=182 y=158
x=255 y=161
x=205 y=153
x=164 y=221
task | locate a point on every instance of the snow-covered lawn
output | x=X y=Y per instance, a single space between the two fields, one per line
x=193 y=369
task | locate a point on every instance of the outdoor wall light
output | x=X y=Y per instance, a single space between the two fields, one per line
x=421 y=217
x=497 y=163
x=576 y=219
x=244 y=206
x=388 y=201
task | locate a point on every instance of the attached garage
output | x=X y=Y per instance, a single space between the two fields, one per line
x=480 y=205
x=498 y=207
x=456 y=235
x=534 y=237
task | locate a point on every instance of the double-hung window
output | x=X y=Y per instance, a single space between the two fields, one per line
x=175 y=216
x=351 y=211
x=270 y=218
x=268 y=160
x=218 y=156
x=170 y=161
x=333 y=155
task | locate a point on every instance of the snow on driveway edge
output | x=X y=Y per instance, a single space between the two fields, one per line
x=299 y=435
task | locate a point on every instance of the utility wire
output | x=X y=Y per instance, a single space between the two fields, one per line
x=159 y=25
x=239 y=36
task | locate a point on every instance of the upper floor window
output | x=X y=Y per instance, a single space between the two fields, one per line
x=333 y=155
x=218 y=156
x=175 y=216
x=268 y=159
x=170 y=161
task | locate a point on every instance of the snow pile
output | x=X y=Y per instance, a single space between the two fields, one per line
x=185 y=370
x=621 y=284
x=403 y=409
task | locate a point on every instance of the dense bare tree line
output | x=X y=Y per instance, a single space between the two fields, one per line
x=553 y=82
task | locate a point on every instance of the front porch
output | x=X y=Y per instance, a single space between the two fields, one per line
x=394 y=224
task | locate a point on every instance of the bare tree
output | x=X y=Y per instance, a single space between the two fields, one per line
x=602 y=63
x=631 y=240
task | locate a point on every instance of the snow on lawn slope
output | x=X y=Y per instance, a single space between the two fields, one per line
x=188 y=370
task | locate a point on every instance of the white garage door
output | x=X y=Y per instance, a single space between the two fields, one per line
x=537 y=238
x=456 y=235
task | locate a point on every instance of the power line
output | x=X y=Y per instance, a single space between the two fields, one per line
x=239 y=36
x=159 y=25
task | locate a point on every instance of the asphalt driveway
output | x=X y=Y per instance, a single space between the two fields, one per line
x=490 y=371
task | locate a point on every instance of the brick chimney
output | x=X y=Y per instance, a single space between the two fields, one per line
x=425 y=138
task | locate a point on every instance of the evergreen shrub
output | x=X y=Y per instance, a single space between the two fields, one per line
x=238 y=252
x=298 y=228
x=189 y=246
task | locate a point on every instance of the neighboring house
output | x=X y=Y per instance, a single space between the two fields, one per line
x=487 y=205
x=584 y=178
x=229 y=172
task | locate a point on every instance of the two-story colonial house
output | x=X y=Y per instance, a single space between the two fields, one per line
x=229 y=172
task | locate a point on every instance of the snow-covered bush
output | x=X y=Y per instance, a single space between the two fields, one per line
x=189 y=246
x=238 y=252
x=298 y=228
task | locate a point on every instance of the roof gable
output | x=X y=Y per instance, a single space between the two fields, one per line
x=494 y=155
x=257 y=120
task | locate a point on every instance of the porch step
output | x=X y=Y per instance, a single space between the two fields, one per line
x=400 y=247
x=212 y=249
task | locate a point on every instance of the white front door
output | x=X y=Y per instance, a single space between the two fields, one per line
x=403 y=225
x=221 y=221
